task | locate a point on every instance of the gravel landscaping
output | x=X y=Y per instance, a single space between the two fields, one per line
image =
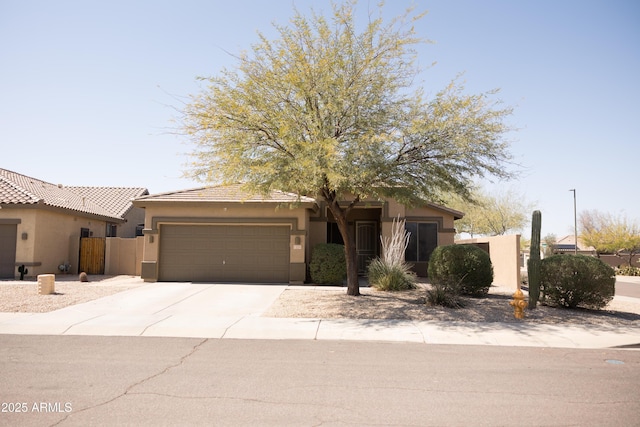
x=22 y=296
x=332 y=303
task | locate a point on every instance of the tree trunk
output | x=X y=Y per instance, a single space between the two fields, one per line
x=353 y=284
x=340 y=215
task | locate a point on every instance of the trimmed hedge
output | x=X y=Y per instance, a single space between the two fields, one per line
x=577 y=280
x=466 y=269
x=328 y=264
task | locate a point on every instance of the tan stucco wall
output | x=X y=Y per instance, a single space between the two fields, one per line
x=504 y=252
x=123 y=256
x=427 y=213
x=134 y=217
x=317 y=234
x=52 y=238
x=24 y=248
x=394 y=209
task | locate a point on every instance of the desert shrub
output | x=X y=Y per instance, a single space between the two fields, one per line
x=445 y=295
x=577 y=280
x=328 y=264
x=391 y=272
x=390 y=277
x=627 y=271
x=467 y=265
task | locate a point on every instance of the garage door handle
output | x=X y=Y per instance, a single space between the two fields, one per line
x=224 y=262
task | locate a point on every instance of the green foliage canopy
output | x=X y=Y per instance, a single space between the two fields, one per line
x=332 y=110
x=490 y=214
x=610 y=234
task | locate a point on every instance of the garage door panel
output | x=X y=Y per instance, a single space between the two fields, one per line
x=8 y=233
x=224 y=253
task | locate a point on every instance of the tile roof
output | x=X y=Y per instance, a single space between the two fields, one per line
x=225 y=193
x=18 y=189
x=235 y=193
x=114 y=199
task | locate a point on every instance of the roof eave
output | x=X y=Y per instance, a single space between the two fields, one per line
x=143 y=203
x=66 y=211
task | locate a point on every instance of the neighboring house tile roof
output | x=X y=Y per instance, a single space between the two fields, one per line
x=225 y=193
x=114 y=199
x=18 y=189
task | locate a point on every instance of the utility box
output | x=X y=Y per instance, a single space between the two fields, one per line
x=46 y=284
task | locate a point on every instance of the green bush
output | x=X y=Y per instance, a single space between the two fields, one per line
x=467 y=266
x=577 y=280
x=390 y=277
x=328 y=264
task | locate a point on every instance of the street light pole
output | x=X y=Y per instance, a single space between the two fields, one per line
x=575 y=223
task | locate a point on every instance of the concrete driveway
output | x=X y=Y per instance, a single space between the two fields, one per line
x=157 y=309
x=234 y=311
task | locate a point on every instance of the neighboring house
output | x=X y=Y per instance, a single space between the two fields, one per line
x=222 y=233
x=567 y=245
x=42 y=224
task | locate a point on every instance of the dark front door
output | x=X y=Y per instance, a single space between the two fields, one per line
x=366 y=243
x=8 y=234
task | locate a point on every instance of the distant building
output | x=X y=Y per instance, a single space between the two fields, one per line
x=567 y=245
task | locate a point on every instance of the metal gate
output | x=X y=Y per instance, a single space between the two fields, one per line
x=92 y=255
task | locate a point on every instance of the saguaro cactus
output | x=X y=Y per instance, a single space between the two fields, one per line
x=533 y=266
x=23 y=270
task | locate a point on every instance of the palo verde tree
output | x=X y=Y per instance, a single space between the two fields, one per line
x=330 y=110
x=610 y=234
x=490 y=214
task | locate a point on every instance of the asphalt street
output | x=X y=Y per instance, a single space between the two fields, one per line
x=91 y=380
x=628 y=287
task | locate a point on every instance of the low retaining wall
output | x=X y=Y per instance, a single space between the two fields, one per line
x=123 y=256
x=504 y=252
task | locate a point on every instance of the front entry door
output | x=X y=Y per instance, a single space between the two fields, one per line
x=366 y=243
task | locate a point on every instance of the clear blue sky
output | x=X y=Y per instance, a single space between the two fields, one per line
x=88 y=89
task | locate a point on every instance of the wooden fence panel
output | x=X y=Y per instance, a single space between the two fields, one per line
x=92 y=255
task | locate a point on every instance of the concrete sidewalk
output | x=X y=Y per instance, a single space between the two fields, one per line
x=233 y=311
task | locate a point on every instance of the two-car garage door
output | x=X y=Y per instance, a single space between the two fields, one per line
x=224 y=253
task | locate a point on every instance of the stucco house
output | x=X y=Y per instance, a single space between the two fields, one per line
x=567 y=245
x=42 y=224
x=222 y=233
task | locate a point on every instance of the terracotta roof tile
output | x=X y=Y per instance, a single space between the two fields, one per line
x=115 y=199
x=18 y=189
x=225 y=193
